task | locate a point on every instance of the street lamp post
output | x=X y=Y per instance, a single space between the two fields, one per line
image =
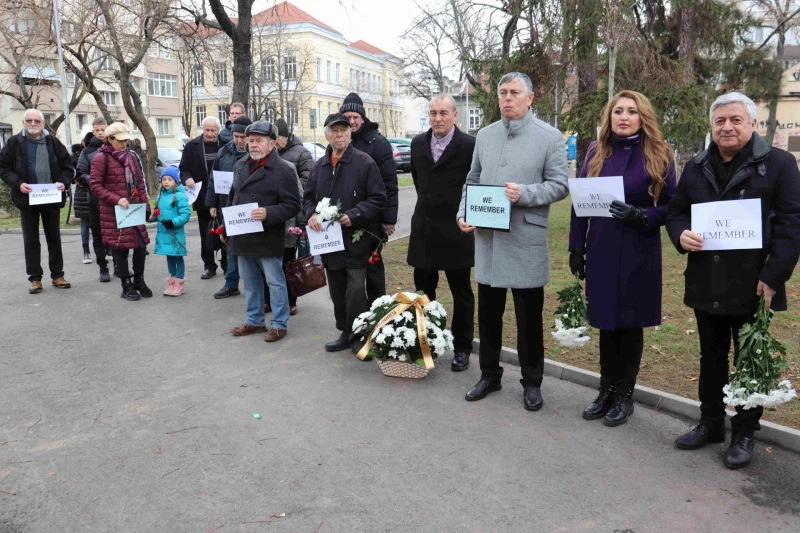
x=64 y=101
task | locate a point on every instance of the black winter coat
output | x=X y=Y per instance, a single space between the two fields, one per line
x=370 y=141
x=227 y=156
x=436 y=242
x=193 y=165
x=356 y=181
x=14 y=171
x=724 y=282
x=299 y=156
x=273 y=186
x=85 y=166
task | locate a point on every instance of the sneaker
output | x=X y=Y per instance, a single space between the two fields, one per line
x=87 y=259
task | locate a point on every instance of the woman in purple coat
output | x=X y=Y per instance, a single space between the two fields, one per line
x=620 y=257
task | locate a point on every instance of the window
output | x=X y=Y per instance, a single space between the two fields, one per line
x=222 y=115
x=80 y=121
x=291 y=112
x=380 y=85
x=220 y=73
x=319 y=69
x=163 y=126
x=474 y=118
x=290 y=67
x=137 y=83
x=162 y=49
x=352 y=78
x=49 y=117
x=330 y=108
x=329 y=72
x=253 y=114
x=320 y=118
x=268 y=69
x=109 y=98
x=134 y=127
x=102 y=60
x=199 y=115
x=338 y=74
x=162 y=85
x=71 y=79
x=198 y=75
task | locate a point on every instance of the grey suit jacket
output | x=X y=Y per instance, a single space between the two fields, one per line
x=530 y=153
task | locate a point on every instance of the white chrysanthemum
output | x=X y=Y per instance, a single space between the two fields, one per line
x=397 y=342
x=399 y=318
x=570 y=338
x=403 y=357
x=379 y=302
x=388 y=330
x=393 y=354
x=380 y=339
x=448 y=337
x=408 y=316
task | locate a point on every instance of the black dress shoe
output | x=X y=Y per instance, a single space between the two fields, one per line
x=460 y=362
x=208 y=274
x=621 y=410
x=741 y=451
x=533 y=398
x=600 y=406
x=700 y=436
x=482 y=389
x=340 y=344
x=141 y=286
x=226 y=292
x=356 y=346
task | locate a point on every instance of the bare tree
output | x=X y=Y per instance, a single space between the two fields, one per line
x=615 y=30
x=428 y=54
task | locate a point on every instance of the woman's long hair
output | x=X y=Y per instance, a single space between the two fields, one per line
x=657 y=153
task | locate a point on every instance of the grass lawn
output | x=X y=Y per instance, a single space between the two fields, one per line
x=13 y=222
x=671 y=356
x=405 y=182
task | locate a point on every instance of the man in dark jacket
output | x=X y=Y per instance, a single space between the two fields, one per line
x=269 y=181
x=350 y=176
x=225 y=162
x=235 y=110
x=82 y=177
x=195 y=166
x=367 y=138
x=36 y=157
x=440 y=161
x=292 y=150
x=724 y=286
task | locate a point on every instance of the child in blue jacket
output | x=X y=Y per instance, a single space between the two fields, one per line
x=172 y=213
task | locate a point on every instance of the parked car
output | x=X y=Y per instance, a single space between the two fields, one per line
x=317 y=150
x=402 y=157
x=399 y=140
x=168 y=157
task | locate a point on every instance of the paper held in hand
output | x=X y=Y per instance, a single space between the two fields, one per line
x=239 y=220
x=44 y=194
x=223 y=181
x=328 y=240
x=135 y=215
x=191 y=194
x=487 y=207
x=592 y=197
x=731 y=225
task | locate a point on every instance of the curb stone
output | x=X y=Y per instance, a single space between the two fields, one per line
x=70 y=231
x=770 y=432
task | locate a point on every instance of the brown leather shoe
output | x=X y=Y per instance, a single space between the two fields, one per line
x=61 y=283
x=275 y=334
x=247 y=329
x=36 y=287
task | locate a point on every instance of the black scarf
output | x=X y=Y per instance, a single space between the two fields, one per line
x=724 y=171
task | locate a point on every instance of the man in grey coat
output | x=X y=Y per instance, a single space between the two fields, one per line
x=527 y=157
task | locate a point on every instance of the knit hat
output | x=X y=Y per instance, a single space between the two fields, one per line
x=240 y=124
x=283 y=128
x=173 y=172
x=352 y=102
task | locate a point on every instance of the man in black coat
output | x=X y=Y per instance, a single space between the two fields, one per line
x=235 y=110
x=269 y=181
x=366 y=137
x=724 y=286
x=36 y=157
x=440 y=161
x=350 y=176
x=195 y=166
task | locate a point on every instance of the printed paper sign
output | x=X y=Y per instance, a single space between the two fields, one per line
x=191 y=194
x=239 y=220
x=135 y=215
x=732 y=225
x=592 y=197
x=488 y=207
x=326 y=241
x=44 y=194
x=223 y=181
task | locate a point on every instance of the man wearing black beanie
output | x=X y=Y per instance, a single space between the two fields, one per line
x=367 y=138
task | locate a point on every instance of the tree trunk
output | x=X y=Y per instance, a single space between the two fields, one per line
x=241 y=39
x=133 y=107
x=586 y=47
x=688 y=30
x=612 y=67
x=772 y=122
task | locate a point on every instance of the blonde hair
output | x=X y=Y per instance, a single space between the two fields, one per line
x=657 y=153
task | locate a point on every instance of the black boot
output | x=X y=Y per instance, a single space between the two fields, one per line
x=104 y=276
x=600 y=406
x=141 y=286
x=340 y=344
x=741 y=451
x=621 y=410
x=129 y=291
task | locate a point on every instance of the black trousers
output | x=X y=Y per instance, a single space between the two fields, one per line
x=51 y=223
x=716 y=332
x=139 y=254
x=463 y=324
x=204 y=219
x=97 y=235
x=528 y=304
x=349 y=295
x=620 y=357
x=289 y=255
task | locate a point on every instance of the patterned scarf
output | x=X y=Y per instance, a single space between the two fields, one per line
x=132 y=169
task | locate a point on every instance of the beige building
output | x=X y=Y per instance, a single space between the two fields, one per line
x=787 y=135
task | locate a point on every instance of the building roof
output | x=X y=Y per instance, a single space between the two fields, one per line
x=364 y=46
x=287 y=13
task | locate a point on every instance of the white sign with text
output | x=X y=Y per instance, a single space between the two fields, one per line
x=239 y=220
x=731 y=225
x=223 y=181
x=191 y=194
x=592 y=197
x=135 y=215
x=328 y=240
x=44 y=194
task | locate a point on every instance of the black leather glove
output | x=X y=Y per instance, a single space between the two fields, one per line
x=577 y=263
x=627 y=212
x=168 y=224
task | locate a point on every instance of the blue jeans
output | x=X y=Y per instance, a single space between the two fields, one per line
x=302 y=245
x=250 y=269
x=175 y=266
x=85 y=231
x=232 y=273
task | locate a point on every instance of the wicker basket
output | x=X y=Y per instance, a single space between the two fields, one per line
x=399 y=369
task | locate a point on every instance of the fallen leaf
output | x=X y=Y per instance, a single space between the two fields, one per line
x=658 y=328
x=691 y=378
x=63 y=480
x=768 y=449
x=689 y=331
x=52 y=473
x=278 y=515
x=656 y=348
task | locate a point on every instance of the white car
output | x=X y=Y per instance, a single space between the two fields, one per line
x=317 y=150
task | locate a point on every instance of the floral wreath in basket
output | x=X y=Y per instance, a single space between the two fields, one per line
x=408 y=327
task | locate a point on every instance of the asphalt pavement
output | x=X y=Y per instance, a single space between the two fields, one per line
x=121 y=416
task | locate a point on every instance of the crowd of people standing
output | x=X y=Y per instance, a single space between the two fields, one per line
x=619 y=256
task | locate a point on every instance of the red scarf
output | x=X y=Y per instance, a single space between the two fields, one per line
x=255 y=165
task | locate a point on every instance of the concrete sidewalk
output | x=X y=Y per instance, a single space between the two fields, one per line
x=137 y=416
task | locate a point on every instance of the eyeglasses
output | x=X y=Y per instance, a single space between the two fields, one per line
x=32 y=121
